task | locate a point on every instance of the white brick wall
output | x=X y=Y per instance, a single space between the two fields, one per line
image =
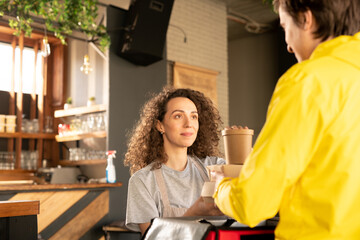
x=205 y=25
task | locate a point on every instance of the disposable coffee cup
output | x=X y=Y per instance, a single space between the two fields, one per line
x=237 y=144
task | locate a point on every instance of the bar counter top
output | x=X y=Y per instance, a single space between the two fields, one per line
x=30 y=187
x=19 y=208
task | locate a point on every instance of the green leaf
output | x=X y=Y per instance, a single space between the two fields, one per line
x=61 y=17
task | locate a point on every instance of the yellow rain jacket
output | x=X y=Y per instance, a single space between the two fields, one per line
x=306 y=161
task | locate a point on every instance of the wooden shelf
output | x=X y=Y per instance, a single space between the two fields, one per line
x=79 y=111
x=82 y=162
x=76 y=137
x=28 y=135
x=16 y=174
x=16 y=171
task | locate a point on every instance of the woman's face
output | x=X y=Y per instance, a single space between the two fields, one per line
x=180 y=124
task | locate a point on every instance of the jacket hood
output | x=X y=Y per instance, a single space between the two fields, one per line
x=342 y=47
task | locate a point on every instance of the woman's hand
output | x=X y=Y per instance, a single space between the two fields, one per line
x=217 y=177
x=202 y=208
x=236 y=127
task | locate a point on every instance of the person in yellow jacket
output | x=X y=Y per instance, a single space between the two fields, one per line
x=305 y=163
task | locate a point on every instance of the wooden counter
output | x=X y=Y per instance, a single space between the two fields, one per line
x=18 y=219
x=19 y=208
x=67 y=211
x=31 y=187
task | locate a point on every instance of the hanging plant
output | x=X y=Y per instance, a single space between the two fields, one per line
x=61 y=17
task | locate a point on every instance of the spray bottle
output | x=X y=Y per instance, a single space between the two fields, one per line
x=110 y=168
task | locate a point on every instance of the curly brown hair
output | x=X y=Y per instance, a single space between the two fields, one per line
x=146 y=143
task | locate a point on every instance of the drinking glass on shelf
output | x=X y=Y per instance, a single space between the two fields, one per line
x=91 y=122
x=24 y=125
x=35 y=125
x=7 y=160
x=75 y=126
x=24 y=161
x=100 y=122
x=90 y=154
x=48 y=124
x=84 y=124
x=33 y=160
x=72 y=154
x=105 y=121
x=2 y=160
x=76 y=154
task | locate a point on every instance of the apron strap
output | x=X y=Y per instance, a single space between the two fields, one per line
x=204 y=176
x=163 y=192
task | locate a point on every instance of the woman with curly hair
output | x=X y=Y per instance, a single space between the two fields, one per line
x=175 y=139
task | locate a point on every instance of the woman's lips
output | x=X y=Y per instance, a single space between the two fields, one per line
x=187 y=134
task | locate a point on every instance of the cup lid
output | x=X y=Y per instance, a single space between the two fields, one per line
x=237 y=131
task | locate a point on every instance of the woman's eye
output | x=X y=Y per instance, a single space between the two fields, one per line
x=177 y=116
x=194 y=117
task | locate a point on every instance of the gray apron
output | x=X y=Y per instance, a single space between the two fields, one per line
x=170 y=211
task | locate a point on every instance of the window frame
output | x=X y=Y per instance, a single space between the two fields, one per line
x=53 y=97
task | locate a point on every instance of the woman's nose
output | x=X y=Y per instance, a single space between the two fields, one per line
x=187 y=122
x=290 y=50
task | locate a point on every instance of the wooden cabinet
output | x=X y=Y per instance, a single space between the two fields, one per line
x=75 y=135
x=38 y=103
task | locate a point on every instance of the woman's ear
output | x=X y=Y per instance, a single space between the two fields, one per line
x=159 y=126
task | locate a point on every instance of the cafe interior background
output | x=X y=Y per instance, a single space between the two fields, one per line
x=238 y=43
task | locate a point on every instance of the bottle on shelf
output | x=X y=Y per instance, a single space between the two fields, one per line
x=110 y=168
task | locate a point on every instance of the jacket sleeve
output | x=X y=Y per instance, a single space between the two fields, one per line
x=280 y=154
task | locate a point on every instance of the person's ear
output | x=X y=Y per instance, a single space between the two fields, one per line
x=308 y=20
x=159 y=126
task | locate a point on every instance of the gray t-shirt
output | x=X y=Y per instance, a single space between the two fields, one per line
x=183 y=189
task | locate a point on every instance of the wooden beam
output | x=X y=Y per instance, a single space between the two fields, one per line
x=12 y=91
x=19 y=104
x=33 y=97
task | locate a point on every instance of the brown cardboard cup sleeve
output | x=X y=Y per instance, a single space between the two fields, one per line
x=237 y=144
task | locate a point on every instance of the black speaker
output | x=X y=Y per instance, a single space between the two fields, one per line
x=143 y=38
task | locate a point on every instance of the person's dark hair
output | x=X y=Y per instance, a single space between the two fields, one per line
x=333 y=17
x=146 y=143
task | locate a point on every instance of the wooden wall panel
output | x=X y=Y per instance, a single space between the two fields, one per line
x=200 y=79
